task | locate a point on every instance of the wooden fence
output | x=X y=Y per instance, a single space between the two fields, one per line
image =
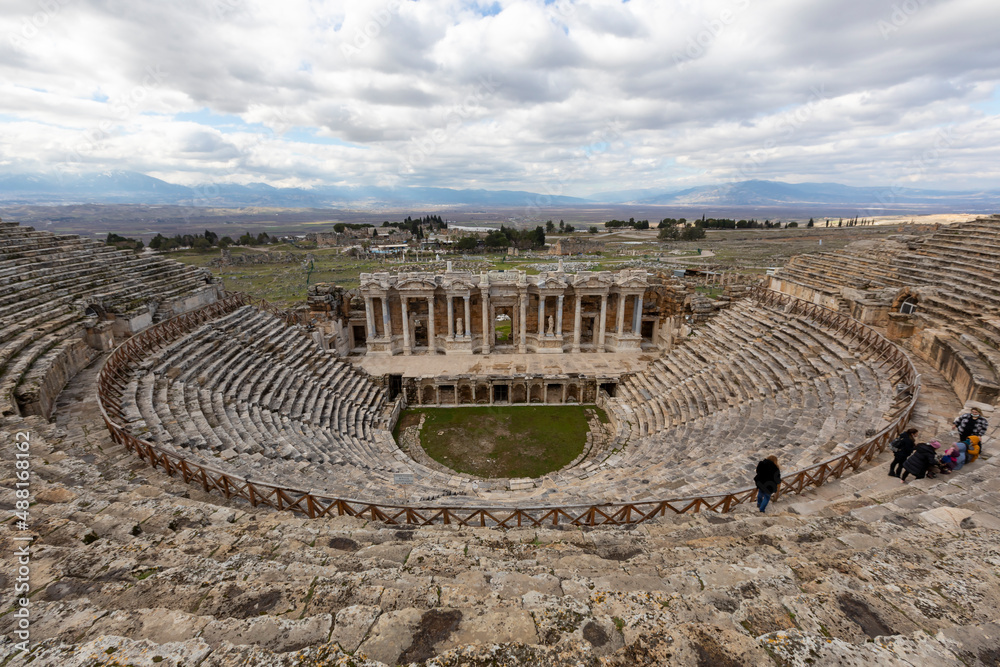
x=119 y=367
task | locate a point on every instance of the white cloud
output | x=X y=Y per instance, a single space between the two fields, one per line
x=576 y=96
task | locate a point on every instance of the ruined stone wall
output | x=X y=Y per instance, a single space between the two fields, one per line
x=37 y=393
x=226 y=258
x=574 y=246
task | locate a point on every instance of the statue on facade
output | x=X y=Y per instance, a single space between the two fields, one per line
x=552 y=326
x=459 y=328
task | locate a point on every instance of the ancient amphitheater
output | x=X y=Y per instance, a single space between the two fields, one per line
x=196 y=478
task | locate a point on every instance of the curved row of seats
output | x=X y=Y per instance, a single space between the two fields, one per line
x=46 y=283
x=754 y=381
x=263 y=400
x=260 y=399
x=954 y=269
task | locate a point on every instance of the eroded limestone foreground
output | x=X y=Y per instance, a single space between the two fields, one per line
x=133 y=567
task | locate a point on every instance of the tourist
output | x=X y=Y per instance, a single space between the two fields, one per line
x=921 y=460
x=971 y=423
x=959 y=454
x=972 y=448
x=952 y=459
x=767 y=479
x=902 y=447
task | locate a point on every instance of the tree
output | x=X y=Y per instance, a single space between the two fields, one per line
x=693 y=233
x=538 y=241
x=123 y=243
x=550 y=228
x=496 y=239
x=226 y=241
x=593 y=230
x=810 y=223
x=211 y=237
x=201 y=244
x=569 y=229
x=467 y=243
x=668 y=233
x=791 y=224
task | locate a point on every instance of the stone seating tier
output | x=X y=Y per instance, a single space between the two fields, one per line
x=46 y=282
x=262 y=400
x=219 y=393
x=955 y=269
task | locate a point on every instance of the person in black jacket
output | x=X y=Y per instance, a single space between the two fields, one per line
x=767 y=479
x=902 y=448
x=920 y=461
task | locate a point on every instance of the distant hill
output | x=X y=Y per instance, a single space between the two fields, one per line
x=776 y=193
x=125 y=187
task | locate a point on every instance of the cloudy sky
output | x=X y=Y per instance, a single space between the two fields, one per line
x=563 y=96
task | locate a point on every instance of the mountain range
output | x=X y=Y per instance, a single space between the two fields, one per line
x=120 y=187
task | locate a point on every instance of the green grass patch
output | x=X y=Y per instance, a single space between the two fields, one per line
x=496 y=442
x=285 y=284
x=503 y=329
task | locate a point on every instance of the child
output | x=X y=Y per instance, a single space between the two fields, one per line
x=950 y=460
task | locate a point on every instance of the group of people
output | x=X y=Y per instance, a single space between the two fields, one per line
x=909 y=456
x=921 y=459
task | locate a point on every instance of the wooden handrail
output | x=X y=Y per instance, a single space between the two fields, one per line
x=119 y=365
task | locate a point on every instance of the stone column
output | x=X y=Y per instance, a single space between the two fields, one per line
x=577 y=322
x=386 y=320
x=451 y=318
x=522 y=345
x=601 y=327
x=431 y=345
x=637 y=315
x=619 y=329
x=559 y=309
x=486 y=326
x=406 y=325
x=467 y=324
x=369 y=319
x=541 y=315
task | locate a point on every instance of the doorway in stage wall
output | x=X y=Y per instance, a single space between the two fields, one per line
x=503 y=327
x=359 y=337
